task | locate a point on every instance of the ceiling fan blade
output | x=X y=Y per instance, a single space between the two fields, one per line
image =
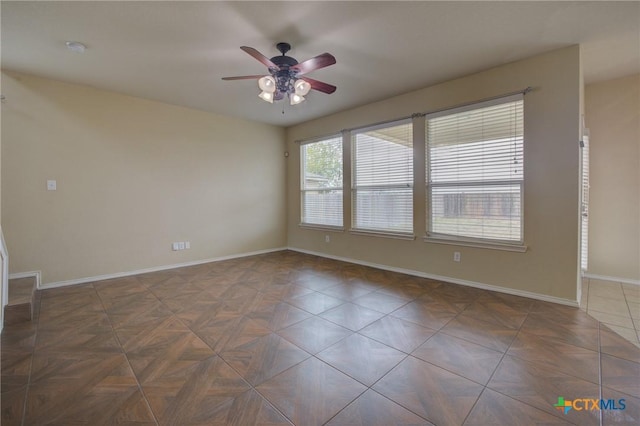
x=320 y=86
x=259 y=56
x=244 y=77
x=314 y=63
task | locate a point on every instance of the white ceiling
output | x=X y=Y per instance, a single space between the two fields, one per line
x=177 y=52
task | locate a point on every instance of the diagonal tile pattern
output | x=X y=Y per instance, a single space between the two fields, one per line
x=375 y=359
x=399 y=334
x=573 y=360
x=431 y=392
x=311 y=393
x=615 y=304
x=98 y=387
x=351 y=316
x=264 y=357
x=373 y=409
x=540 y=388
x=464 y=358
x=494 y=408
x=489 y=335
x=288 y=338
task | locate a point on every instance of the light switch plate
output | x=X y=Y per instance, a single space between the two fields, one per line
x=51 y=185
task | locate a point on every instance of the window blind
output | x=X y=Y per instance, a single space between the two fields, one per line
x=321 y=182
x=475 y=171
x=584 y=237
x=382 y=193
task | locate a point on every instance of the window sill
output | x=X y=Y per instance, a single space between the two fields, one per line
x=477 y=244
x=321 y=227
x=396 y=235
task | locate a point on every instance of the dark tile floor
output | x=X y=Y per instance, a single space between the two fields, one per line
x=289 y=338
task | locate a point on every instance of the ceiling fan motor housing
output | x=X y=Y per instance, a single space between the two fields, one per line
x=284 y=61
x=284 y=76
x=284 y=80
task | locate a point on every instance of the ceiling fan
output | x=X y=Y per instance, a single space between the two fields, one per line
x=287 y=76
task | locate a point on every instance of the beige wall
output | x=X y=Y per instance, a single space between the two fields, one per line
x=613 y=120
x=133 y=176
x=551 y=194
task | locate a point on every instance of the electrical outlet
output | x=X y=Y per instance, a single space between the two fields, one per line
x=52 y=185
x=327 y=239
x=187 y=245
x=175 y=247
x=456 y=256
x=181 y=245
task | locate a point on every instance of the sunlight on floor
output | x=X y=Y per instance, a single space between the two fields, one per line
x=615 y=304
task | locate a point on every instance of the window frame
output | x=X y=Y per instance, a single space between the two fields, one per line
x=304 y=189
x=447 y=238
x=410 y=235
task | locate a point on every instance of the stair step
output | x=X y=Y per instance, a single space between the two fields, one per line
x=21 y=299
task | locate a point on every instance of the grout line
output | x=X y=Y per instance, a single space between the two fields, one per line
x=476 y=401
x=633 y=323
x=370 y=387
x=219 y=355
x=515 y=336
x=600 y=369
x=126 y=356
x=626 y=315
x=498 y=366
x=519 y=330
x=33 y=355
x=589 y=298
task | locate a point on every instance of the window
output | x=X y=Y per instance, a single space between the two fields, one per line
x=584 y=205
x=321 y=182
x=474 y=160
x=382 y=195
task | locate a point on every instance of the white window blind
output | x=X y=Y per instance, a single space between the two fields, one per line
x=321 y=182
x=382 y=195
x=584 y=237
x=475 y=171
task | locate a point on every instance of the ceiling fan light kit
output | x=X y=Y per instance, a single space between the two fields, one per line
x=285 y=76
x=302 y=87
x=266 y=96
x=267 y=83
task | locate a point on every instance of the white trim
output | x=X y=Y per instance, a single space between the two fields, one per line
x=28 y=274
x=513 y=97
x=385 y=234
x=319 y=138
x=450 y=240
x=522 y=293
x=318 y=227
x=381 y=125
x=4 y=284
x=153 y=269
x=608 y=278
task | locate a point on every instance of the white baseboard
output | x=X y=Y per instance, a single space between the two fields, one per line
x=85 y=280
x=28 y=274
x=4 y=277
x=522 y=293
x=475 y=284
x=608 y=278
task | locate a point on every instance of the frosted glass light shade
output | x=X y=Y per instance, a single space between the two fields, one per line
x=267 y=84
x=295 y=99
x=266 y=96
x=302 y=87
